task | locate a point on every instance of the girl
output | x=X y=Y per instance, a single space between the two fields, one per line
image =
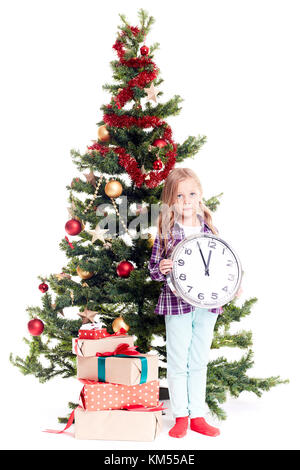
x=189 y=330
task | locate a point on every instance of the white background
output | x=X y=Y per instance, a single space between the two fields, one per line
x=236 y=65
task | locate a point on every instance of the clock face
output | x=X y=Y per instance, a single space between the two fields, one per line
x=206 y=272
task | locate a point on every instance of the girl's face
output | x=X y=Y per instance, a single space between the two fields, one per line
x=187 y=199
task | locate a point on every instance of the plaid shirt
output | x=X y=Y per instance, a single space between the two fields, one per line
x=168 y=303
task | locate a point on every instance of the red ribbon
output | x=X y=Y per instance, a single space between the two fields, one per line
x=69 y=424
x=70 y=244
x=122 y=348
x=90 y=382
x=159 y=407
x=121 y=331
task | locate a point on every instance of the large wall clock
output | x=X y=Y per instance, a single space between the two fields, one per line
x=206 y=272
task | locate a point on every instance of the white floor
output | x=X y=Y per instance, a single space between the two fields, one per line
x=269 y=422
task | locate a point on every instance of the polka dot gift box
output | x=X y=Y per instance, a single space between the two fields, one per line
x=92 y=331
x=96 y=396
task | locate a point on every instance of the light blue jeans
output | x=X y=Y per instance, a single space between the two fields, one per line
x=188 y=341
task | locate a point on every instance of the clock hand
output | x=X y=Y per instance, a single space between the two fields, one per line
x=202 y=258
x=206 y=271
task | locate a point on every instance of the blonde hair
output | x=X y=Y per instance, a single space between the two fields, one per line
x=166 y=218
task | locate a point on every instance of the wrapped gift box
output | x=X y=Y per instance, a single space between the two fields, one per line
x=96 y=396
x=90 y=347
x=119 y=370
x=117 y=425
x=92 y=331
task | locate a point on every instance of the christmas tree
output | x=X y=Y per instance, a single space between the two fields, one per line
x=106 y=276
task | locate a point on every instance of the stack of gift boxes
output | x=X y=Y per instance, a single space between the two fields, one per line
x=120 y=395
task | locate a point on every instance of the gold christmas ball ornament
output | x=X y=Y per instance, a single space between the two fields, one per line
x=119 y=323
x=113 y=189
x=150 y=241
x=82 y=224
x=103 y=134
x=84 y=274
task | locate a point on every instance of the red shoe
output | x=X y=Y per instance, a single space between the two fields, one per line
x=201 y=426
x=180 y=428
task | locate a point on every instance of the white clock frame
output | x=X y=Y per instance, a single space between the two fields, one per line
x=176 y=283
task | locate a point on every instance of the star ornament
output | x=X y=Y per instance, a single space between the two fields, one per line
x=98 y=234
x=61 y=276
x=152 y=93
x=87 y=316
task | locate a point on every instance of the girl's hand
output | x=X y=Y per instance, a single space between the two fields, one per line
x=165 y=266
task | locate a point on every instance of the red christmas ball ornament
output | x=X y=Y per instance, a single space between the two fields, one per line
x=73 y=227
x=158 y=164
x=35 y=327
x=75 y=180
x=144 y=50
x=159 y=143
x=124 y=268
x=43 y=287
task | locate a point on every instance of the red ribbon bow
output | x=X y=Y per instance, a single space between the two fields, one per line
x=122 y=331
x=122 y=348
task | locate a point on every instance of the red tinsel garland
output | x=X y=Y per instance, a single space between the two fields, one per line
x=129 y=163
